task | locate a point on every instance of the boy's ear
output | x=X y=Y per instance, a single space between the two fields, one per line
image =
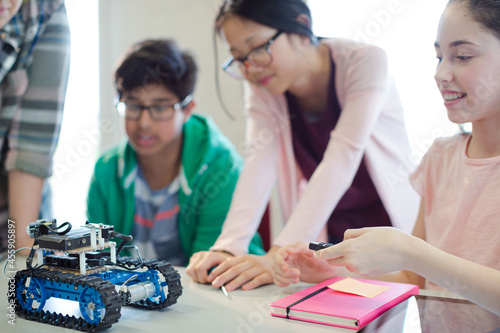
x=188 y=110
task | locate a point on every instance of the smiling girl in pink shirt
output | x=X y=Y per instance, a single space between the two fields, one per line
x=455 y=241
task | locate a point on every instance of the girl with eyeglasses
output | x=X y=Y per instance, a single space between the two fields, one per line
x=325 y=121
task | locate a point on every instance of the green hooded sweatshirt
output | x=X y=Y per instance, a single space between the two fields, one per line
x=208 y=175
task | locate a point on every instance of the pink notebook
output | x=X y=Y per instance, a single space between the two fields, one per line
x=335 y=308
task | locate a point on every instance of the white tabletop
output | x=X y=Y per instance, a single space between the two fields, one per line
x=201 y=308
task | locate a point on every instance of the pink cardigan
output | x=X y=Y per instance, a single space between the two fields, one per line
x=371 y=123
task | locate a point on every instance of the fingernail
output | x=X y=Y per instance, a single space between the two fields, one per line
x=216 y=284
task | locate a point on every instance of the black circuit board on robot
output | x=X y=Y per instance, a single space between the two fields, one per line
x=73 y=240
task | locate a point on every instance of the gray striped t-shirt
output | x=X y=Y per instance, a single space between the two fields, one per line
x=155 y=229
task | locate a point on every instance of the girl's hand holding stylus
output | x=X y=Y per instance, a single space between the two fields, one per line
x=370 y=251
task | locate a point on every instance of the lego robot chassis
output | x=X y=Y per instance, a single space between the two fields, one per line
x=100 y=289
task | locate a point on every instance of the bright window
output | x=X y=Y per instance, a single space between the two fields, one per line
x=79 y=141
x=406 y=30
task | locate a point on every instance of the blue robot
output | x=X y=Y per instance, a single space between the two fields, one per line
x=84 y=266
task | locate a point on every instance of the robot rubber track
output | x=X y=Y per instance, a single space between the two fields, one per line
x=72 y=266
x=111 y=299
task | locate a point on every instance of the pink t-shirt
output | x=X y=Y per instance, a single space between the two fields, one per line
x=461 y=197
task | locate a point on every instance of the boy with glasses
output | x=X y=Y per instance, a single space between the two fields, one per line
x=170 y=184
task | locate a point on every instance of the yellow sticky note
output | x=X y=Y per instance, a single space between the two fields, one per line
x=356 y=287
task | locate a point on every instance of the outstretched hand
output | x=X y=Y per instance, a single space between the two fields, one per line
x=295 y=262
x=369 y=251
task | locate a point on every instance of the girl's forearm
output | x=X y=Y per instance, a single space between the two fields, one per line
x=473 y=281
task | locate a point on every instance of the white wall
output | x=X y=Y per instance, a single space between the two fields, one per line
x=190 y=23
